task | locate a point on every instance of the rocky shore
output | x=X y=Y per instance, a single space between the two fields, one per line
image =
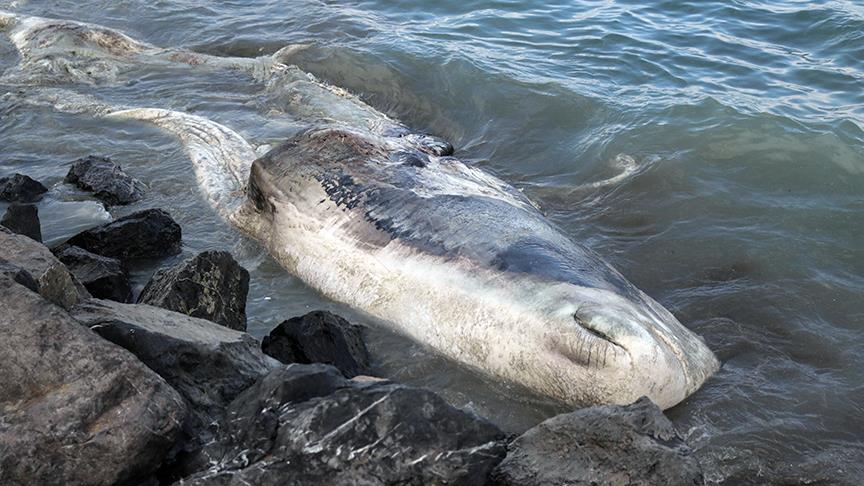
x=96 y=389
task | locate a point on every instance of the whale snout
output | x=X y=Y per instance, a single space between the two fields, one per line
x=639 y=350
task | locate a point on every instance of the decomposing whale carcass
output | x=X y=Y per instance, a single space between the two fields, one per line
x=385 y=219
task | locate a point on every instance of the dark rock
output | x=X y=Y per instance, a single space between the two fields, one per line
x=103 y=277
x=18 y=275
x=607 y=444
x=23 y=219
x=207 y=363
x=75 y=408
x=308 y=425
x=20 y=188
x=146 y=234
x=319 y=337
x=210 y=286
x=55 y=283
x=106 y=180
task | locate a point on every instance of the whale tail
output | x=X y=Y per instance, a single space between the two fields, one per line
x=221 y=157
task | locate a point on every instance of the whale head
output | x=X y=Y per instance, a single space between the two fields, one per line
x=604 y=340
x=612 y=347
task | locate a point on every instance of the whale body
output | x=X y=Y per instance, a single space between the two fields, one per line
x=383 y=218
x=464 y=263
x=449 y=255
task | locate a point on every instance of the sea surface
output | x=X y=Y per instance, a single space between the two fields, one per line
x=744 y=215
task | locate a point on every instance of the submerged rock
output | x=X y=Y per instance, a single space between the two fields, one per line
x=21 y=188
x=308 y=425
x=54 y=281
x=103 y=277
x=211 y=286
x=319 y=337
x=151 y=233
x=23 y=219
x=608 y=444
x=207 y=363
x=75 y=408
x=106 y=180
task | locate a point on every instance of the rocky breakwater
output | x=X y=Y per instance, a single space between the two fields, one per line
x=75 y=408
x=171 y=390
x=211 y=285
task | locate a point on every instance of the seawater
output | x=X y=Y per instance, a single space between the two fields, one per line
x=744 y=214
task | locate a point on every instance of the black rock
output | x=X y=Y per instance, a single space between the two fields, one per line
x=207 y=363
x=21 y=188
x=308 y=425
x=146 y=234
x=23 y=219
x=211 y=286
x=75 y=408
x=608 y=444
x=319 y=337
x=106 y=180
x=103 y=277
x=53 y=279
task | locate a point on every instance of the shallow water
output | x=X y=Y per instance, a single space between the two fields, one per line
x=745 y=216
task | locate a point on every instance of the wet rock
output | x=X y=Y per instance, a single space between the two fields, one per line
x=106 y=180
x=211 y=286
x=207 y=363
x=23 y=219
x=151 y=233
x=75 y=408
x=54 y=281
x=608 y=444
x=103 y=277
x=319 y=337
x=308 y=425
x=21 y=188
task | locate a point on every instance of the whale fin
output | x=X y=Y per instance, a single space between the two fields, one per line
x=562 y=198
x=623 y=162
x=221 y=157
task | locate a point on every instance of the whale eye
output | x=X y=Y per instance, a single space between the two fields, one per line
x=585 y=325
